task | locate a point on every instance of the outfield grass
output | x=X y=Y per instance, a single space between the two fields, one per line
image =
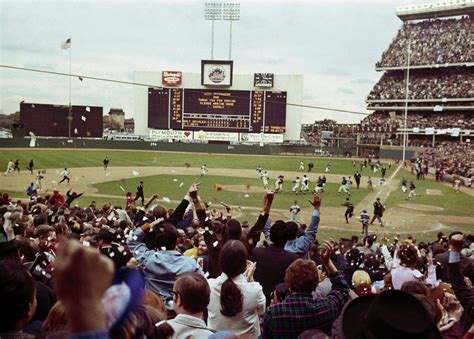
x=164 y=186
x=460 y=204
x=79 y=158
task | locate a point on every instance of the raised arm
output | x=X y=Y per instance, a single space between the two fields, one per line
x=304 y=243
x=136 y=245
x=254 y=234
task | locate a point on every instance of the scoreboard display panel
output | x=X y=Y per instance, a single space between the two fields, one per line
x=217 y=110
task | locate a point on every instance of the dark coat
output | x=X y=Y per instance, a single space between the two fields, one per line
x=272 y=263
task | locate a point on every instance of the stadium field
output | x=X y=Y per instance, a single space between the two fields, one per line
x=53 y=158
x=169 y=175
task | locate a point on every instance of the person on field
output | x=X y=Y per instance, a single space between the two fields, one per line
x=140 y=193
x=66 y=176
x=16 y=166
x=10 y=167
x=106 y=163
x=349 y=209
x=31 y=165
x=379 y=208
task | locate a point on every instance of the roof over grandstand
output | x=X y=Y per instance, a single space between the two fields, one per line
x=435 y=10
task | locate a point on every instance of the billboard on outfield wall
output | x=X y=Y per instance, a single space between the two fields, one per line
x=159 y=134
x=261 y=137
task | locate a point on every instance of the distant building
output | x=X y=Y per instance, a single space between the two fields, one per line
x=129 y=125
x=117 y=118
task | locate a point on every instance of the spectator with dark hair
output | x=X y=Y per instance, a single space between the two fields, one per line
x=163 y=264
x=109 y=248
x=236 y=300
x=466 y=264
x=18 y=299
x=405 y=267
x=299 y=312
x=272 y=260
x=191 y=295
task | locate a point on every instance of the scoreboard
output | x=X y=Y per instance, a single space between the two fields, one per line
x=217 y=110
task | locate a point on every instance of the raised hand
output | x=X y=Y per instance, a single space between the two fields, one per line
x=316 y=201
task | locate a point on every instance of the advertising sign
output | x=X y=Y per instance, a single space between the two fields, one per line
x=171 y=78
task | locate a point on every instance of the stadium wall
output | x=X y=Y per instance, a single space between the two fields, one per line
x=172 y=147
x=292 y=84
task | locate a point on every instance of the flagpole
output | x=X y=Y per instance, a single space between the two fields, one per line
x=70 y=79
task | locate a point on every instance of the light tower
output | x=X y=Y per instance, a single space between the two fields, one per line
x=231 y=13
x=213 y=12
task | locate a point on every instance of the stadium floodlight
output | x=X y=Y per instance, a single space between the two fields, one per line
x=231 y=13
x=405 y=132
x=213 y=12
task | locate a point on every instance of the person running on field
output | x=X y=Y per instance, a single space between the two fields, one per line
x=379 y=209
x=349 y=209
x=296 y=185
x=66 y=176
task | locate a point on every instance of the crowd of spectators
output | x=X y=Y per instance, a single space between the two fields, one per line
x=425 y=84
x=451 y=158
x=434 y=41
x=386 y=122
x=190 y=273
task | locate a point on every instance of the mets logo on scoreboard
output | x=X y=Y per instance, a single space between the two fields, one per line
x=216 y=72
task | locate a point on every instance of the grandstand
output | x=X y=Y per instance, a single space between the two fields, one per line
x=431 y=56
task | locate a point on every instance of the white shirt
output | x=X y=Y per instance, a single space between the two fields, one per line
x=245 y=323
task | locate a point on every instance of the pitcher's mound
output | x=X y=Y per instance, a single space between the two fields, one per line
x=243 y=188
x=433 y=192
x=421 y=207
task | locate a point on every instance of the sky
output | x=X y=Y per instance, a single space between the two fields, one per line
x=333 y=44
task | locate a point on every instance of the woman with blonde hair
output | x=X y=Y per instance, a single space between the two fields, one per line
x=362 y=283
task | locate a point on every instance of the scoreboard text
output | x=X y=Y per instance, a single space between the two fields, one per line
x=217 y=110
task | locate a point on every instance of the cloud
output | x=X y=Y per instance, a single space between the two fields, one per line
x=363 y=81
x=345 y=91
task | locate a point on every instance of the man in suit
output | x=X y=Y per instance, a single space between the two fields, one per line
x=140 y=194
x=442 y=260
x=379 y=208
x=357 y=177
x=272 y=261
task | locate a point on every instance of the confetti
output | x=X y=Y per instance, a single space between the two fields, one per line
x=166 y=199
x=75 y=131
x=86 y=243
x=181 y=184
x=135 y=173
x=175 y=180
x=122 y=188
x=173 y=171
x=88 y=109
x=107 y=174
x=83 y=118
x=215 y=243
x=111 y=254
x=54 y=181
x=163 y=248
x=246 y=195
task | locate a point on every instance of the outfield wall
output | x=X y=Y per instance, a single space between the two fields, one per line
x=173 y=147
